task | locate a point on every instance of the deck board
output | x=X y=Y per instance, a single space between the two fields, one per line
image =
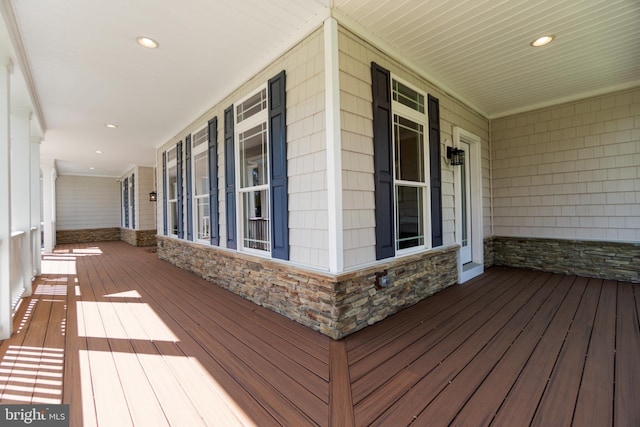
x=421 y=338
x=470 y=339
x=247 y=357
x=595 y=397
x=521 y=402
x=560 y=396
x=481 y=407
x=627 y=378
x=464 y=381
x=437 y=346
x=128 y=339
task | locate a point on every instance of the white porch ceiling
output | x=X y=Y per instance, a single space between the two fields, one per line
x=87 y=69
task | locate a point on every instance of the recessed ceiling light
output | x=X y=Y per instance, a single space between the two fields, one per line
x=541 y=41
x=111 y=125
x=147 y=42
x=98 y=152
x=91 y=167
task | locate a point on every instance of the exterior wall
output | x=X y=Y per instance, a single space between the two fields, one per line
x=87 y=235
x=335 y=305
x=606 y=260
x=301 y=289
x=571 y=171
x=84 y=202
x=306 y=155
x=355 y=60
x=145 y=209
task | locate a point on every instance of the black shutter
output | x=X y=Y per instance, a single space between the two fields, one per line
x=180 y=190
x=164 y=194
x=213 y=181
x=278 y=160
x=435 y=164
x=383 y=161
x=230 y=179
x=126 y=202
x=133 y=201
x=187 y=167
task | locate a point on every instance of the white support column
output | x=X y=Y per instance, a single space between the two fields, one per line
x=5 y=201
x=49 y=176
x=21 y=189
x=36 y=205
x=334 y=146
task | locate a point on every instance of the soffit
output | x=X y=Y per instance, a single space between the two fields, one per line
x=87 y=69
x=479 y=49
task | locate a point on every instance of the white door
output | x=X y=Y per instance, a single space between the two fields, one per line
x=468 y=205
x=465 y=205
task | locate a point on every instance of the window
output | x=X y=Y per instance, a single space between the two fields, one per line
x=252 y=154
x=200 y=182
x=128 y=202
x=132 y=200
x=172 y=192
x=410 y=166
x=124 y=203
x=255 y=171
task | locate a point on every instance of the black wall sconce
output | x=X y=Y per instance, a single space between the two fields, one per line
x=153 y=196
x=455 y=156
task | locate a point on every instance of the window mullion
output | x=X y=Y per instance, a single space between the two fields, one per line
x=411 y=183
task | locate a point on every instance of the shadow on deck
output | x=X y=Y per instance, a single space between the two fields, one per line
x=127 y=339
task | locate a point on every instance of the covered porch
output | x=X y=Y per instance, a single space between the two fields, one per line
x=128 y=339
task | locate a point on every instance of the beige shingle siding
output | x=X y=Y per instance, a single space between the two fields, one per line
x=145 y=210
x=306 y=147
x=356 y=56
x=306 y=155
x=84 y=202
x=570 y=171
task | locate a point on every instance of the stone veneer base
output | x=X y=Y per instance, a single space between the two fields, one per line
x=138 y=237
x=335 y=305
x=87 y=235
x=605 y=260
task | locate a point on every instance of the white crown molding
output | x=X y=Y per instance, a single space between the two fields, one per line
x=566 y=99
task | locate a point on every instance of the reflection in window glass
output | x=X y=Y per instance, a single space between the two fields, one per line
x=202 y=218
x=409 y=217
x=201 y=173
x=173 y=217
x=256 y=220
x=254 y=166
x=173 y=183
x=252 y=106
x=200 y=137
x=201 y=195
x=409 y=150
x=407 y=96
x=171 y=155
x=172 y=208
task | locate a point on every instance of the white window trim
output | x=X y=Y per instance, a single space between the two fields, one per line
x=129 y=204
x=196 y=150
x=399 y=109
x=238 y=128
x=171 y=164
x=123 y=221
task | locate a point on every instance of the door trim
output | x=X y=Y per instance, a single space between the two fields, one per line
x=476 y=266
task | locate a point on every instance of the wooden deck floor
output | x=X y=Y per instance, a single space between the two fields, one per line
x=127 y=339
